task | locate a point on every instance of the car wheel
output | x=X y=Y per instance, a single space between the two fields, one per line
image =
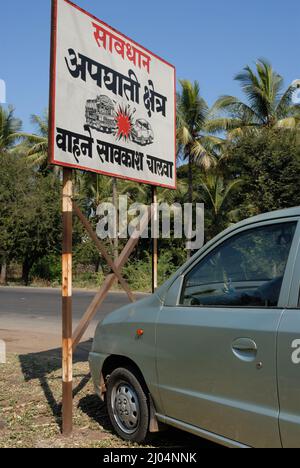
x=127 y=405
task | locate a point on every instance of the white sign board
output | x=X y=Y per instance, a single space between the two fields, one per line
x=113 y=103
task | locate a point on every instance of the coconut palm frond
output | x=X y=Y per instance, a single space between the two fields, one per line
x=183 y=135
x=217 y=191
x=285 y=106
x=223 y=125
x=201 y=156
x=36 y=159
x=41 y=147
x=236 y=108
x=41 y=122
x=267 y=104
x=37 y=150
x=10 y=128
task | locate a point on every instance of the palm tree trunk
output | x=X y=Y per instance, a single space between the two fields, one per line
x=3 y=273
x=190 y=198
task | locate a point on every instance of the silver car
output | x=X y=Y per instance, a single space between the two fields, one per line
x=216 y=351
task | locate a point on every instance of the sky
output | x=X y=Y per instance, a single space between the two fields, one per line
x=208 y=41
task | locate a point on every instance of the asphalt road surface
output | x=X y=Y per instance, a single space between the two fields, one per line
x=30 y=319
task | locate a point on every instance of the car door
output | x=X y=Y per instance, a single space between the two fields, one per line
x=289 y=361
x=216 y=347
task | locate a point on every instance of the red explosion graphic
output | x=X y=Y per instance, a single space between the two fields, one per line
x=124 y=122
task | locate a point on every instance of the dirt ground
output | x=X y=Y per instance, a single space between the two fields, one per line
x=30 y=410
x=30 y=382
x=24 y=341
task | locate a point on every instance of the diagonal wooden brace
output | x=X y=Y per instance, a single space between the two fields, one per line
x=109 y=281
x=101 y=248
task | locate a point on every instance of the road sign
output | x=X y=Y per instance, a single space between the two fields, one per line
x=113 y=102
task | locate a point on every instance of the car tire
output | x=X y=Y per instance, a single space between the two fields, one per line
x=127 y=405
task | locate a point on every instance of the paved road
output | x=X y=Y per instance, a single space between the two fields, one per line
x=30 y=319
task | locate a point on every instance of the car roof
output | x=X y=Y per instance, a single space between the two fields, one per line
x=287 y=213
x=272 y=215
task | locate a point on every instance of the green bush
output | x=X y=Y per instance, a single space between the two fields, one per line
x=138 y=273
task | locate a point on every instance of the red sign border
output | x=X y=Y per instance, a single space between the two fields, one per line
x=52 y=109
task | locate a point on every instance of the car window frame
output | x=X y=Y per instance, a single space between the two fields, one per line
x=294 y=291
x=284 y=296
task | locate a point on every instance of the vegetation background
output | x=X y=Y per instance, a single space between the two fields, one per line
x=238 y=158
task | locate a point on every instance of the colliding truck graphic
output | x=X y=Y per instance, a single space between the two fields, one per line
x=100 y=114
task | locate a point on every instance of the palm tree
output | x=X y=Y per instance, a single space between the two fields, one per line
x=135 y=192
x=268 y=104
x=165 y=195
x=10 y=128
x=141 y=193
x=194 y=144
x=216 y=195
x=37 y=144
x=91 y=189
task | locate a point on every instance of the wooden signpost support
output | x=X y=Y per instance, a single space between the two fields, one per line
x=72 y=339
x=67 y=354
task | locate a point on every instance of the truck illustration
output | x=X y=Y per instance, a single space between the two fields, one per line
x=142 y=132
x=100 y=114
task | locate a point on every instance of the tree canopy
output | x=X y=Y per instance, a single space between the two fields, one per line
x=239 y=158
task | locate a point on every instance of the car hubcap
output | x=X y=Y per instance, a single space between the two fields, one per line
x=125 y=407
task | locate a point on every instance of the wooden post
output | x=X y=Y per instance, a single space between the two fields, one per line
x=100 y=246
x=155 y=242
x=67 y=345
x=109 y=281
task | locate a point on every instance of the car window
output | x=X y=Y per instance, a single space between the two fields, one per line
x=246 y=270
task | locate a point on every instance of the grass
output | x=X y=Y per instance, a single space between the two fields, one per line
x=30 y=411
x=30 y=394
x=86 y=281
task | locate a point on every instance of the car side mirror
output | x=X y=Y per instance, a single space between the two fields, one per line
x=173 y=295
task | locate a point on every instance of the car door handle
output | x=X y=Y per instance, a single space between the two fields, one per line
x=245 y=349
